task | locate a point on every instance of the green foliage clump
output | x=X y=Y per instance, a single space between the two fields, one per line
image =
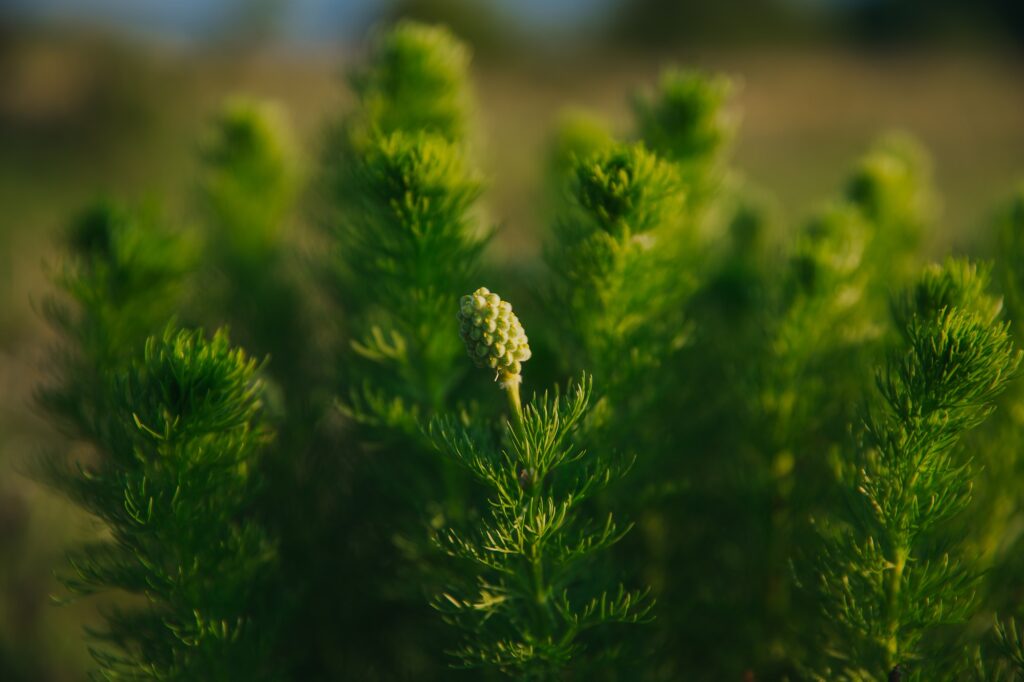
x=885 y=582
x=416 y=81
x=891 y=185
x=248 y=183
x=528 y=609
x=821 y=310
x=175 y=452
x=1010 y=233
x=403 y=242
x=685 y=119
x=958 y=283
x=412 y=236
x=625 y=192
x=123 y=279
x=404 y=194
x=248 y=177
x=358 y=506
x=527 y=600
x=610 y=258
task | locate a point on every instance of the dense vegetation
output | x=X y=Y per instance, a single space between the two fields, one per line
x=698 y=447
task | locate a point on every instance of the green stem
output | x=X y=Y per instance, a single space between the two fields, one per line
x=545 y=616
x=511 y=385
x=892 y=643
x=540 y=588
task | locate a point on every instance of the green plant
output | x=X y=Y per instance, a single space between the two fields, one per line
x=123 y=279
x=405 y=193
x=997 y=508
x=887 y=581
x=402 y=232
x=610 y=258
x=171 y=441
x=248 y=181
x=322 y=513
x=527 y=601
x=178 y=472
x=416 y=81
x=685 y=120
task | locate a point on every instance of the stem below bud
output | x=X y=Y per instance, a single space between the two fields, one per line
x=510 y=384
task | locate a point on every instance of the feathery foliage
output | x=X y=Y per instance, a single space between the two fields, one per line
x=405 y=193
x=358 y=506
x=611 y=260
x=416 y=81
x=1010 y=231
x=170 y=440
x=526 y=602
x=685 y=120
x=248 y=181
x=121 y=282
x=174 y=486
x=886 y=581
x=403 y=242
x=248 y=178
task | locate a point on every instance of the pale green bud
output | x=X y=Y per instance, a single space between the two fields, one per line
x=492 y=333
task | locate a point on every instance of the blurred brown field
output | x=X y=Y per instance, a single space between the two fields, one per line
x=85 y=113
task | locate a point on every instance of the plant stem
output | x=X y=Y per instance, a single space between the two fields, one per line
x=510 y=382
x=892 y=644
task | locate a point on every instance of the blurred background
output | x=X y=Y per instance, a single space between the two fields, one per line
x=110 y=97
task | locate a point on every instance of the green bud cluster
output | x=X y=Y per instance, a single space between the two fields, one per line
x=493 y=335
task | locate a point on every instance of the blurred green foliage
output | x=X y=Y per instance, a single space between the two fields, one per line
x=794 y=420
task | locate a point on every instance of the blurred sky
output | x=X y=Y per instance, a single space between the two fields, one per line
x=511 y=24
x=295 y=20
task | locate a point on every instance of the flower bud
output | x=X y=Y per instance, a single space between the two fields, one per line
x=492 y=333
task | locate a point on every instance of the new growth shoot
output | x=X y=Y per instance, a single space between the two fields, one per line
x=495 y=339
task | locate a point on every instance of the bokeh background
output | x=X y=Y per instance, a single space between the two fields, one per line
x=109 y=97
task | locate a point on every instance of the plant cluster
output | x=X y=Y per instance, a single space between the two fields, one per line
x=779 y=454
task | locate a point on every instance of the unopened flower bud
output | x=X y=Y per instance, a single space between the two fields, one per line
x=492 y=333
